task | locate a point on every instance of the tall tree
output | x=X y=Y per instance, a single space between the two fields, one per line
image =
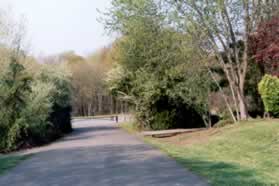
x=14 y=88
x=224 y=27
x=156 y=72
x=265 y=45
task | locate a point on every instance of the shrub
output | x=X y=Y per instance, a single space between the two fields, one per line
x=165 y=102
x=158 y=72
x=59 y=76
x=33 y=110
x=37 y=113
x=269 y=90
x=49 y=110
x=14 y=89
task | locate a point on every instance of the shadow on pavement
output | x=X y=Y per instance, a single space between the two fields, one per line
x=109 y=165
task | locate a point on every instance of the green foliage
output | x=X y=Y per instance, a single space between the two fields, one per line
x=49 y=107
x=163 y=120
x=269 y=90
x=157 y=72
x=34 y=99
x=34 y=109
x=61 y=95
x=37 y=112
x=14 y=89
x=253 y=98
x=242 y=154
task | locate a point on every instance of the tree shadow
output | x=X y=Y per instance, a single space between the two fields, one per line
x=120 y=163
x=84 y=133
x=222 y=173
x=117 y=165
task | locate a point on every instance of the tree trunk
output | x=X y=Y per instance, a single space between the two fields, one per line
x=116 y=106
x=121 y=107
x=242 y=107
x=242 y=69
x=89 y=109
x=100 y=104
x=126 y=108
x=241 y=99
x=95 y=110
x=111 y=105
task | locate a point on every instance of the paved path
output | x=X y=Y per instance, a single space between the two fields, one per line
x=99 y=154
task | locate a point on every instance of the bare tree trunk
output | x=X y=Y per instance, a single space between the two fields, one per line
x=84 y=110
x=89 y=109
x=126 y=108
x=100 y=104
x=242 y=108
x=111 y=105
x=243 y=70
x=121 y=107
x=95 y=110
x=116 y=106
x=209 y=110
x=241 y=99
x=223 y=95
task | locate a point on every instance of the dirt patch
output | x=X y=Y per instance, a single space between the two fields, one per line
x=187 y=139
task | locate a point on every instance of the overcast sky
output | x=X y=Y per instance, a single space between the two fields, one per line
x=55 y=26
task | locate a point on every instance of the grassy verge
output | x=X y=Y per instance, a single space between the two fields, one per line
x=8 y=162
x=242 y=154
x=129 y=127
x=95 y=117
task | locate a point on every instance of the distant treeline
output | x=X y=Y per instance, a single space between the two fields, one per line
x=91 y=95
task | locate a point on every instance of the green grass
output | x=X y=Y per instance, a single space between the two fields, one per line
x=242 y=154
x=7 y=162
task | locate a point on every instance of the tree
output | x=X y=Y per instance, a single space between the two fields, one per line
x=224 y=27
x=61 y=95
x=34 y=98
x=265 y=45
x=15 y=82
x=269 y=90
x=156 y=71
x=15 y=85
x=90 y=96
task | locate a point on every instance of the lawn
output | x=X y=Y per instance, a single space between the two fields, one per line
x=241 y=154
x=8 y=162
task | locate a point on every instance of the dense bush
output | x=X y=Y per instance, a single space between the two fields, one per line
x=34 y=107
x=59 y=77
x=37 y=113
x=169 y=101
x=264 y=45
x=269 y=90
x=165 y=103
x=253 y=99
x=157 y=72
x=15 y=85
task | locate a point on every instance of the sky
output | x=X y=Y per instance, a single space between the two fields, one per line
x=55 y=26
